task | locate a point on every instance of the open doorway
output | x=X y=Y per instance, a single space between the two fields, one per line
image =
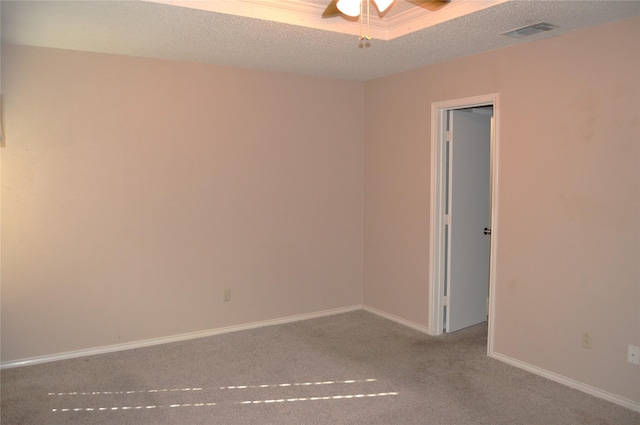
x=464 y=148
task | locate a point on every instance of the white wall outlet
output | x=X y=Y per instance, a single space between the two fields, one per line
x=586 y=339
x=227 y=295
x=633 y=355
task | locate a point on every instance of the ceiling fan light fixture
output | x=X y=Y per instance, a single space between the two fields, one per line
x=352 y=7
x=383 y=5
x=349 y=7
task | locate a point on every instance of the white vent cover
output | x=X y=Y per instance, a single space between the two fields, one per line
x=529 y=30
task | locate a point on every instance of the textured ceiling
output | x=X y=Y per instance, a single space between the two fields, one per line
x=168 y=31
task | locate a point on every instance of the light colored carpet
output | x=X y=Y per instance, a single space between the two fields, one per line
x=352 y=368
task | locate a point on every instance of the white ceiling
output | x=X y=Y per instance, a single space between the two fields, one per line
x=290 y=36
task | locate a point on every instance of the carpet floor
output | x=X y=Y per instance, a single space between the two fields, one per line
x=351 y=368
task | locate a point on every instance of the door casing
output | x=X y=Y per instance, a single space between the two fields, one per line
x=437 y=208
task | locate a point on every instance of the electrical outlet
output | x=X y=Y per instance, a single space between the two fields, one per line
x=586 y=339
x=633 y=356
x=227 y=295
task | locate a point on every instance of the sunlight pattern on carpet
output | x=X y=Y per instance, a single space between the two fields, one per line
x=281 y=386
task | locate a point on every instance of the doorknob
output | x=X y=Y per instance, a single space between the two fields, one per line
x=487 y=231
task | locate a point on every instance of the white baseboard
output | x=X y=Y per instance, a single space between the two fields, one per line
x=397 y=319
x=596 y=392
x=173 y=338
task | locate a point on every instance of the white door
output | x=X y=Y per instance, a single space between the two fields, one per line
x=469 y=206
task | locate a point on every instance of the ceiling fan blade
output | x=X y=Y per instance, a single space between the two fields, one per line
x=430 y=4
x=331 y=10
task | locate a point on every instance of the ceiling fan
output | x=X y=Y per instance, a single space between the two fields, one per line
x=353 y=8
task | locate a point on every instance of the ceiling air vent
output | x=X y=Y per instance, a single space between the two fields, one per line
x=529 y=30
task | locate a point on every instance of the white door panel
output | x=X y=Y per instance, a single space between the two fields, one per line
x=470 y=214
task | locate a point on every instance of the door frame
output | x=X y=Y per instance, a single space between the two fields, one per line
x=437 y=264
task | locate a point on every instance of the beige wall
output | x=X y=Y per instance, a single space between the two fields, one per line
x=568 y=213
x=135 y=191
